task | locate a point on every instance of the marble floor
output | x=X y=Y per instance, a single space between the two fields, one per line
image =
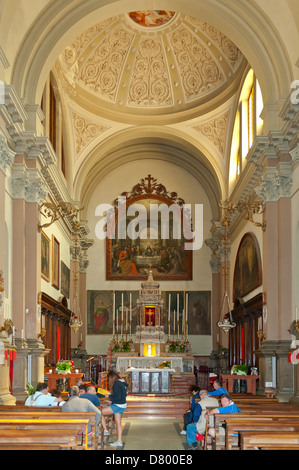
x=151 y=434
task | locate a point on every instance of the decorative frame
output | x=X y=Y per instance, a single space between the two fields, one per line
x=55 y=262
x=122 y=265
x=248 y=271
x=45 y=257
x=65 y=280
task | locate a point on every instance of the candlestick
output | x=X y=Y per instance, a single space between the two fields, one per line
x=113 y=322
x=130 y=315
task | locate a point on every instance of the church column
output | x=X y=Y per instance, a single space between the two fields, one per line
x=27 y=187
x=275 y=189
x=6 y=160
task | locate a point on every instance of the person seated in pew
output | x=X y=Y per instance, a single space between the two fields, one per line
x=199 y=427
x=42 y=397
x=218 y=389
x=57 y=393
x=91 y=394
x=76 y=403
x=227 y=406
x=192 y=416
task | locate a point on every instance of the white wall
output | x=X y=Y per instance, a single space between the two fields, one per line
x=122 y=179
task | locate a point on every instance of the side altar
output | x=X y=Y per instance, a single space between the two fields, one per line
x=150 y=344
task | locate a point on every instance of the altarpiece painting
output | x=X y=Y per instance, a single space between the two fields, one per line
x=158 y=247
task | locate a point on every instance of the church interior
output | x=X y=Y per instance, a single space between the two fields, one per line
x=149 y=224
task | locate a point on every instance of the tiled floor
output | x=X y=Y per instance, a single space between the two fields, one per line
x=151 y=434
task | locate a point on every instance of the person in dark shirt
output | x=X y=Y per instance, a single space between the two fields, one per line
x=118 y=405
x=192 y=416
x=91 y=395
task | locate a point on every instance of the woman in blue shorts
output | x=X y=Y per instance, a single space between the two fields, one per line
x=118 y=399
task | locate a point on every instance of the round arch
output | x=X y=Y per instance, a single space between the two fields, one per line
x=116 y=152
x=243 y=22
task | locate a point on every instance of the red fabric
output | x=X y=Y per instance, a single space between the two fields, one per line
x=199 y=437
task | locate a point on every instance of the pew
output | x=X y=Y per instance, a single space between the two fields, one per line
x=254 y=415
x=33 y=413
x=239 y=426
x=274 y=440
x=25 y=424
x=17 y=439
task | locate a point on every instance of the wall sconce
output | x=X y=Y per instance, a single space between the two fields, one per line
x=247 y=208
x=63 y=210
x=42 y=334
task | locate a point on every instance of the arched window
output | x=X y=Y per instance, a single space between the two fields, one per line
x=247 y=125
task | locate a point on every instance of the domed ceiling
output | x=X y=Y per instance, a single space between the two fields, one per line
x=151 y=63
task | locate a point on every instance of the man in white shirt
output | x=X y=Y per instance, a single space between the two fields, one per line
x=42 y=397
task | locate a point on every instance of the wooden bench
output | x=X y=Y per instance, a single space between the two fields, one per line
x=11 y=439
x=33 y=413
x=220 y=419
x=239 y=426
x=274 y=440
x=78 y=425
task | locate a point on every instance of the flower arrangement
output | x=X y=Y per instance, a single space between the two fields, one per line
x=126 y=347
x=176 y=346
x=164 y=364
x=64 y=367
x=239 y=369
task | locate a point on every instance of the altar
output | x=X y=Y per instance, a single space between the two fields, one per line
x=150 y=381
x=151 y=362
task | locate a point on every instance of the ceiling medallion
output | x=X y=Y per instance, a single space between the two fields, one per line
x=151 y=18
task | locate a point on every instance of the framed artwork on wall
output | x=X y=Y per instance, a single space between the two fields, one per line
x=199 y=313
x=65 y=280
x=55 y=262
x=100 y=311
x=139 y=245
x=45 y=257
x=248 y=271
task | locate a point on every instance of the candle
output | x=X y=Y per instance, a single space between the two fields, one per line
x=113 y=322
x=130 y=307
x=169 y=305
x=187 y=306
x=178 y=306
x=22 y=334
x=183 y=322
x=117 y=321
x=174 y=322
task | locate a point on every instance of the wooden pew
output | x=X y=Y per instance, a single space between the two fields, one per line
x=274 y=440
x=33 y=413
x=250 y=415
x=78 y=425
x=18 y=439
x=239 y=426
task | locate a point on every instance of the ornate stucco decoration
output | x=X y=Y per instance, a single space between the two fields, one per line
x=215 y=130
x=85 y=131
x=176 y=66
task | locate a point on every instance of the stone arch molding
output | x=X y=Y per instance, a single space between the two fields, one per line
x=103 y=159
x=242 y=21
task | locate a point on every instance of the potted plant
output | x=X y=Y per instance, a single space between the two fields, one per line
x=64 y=367
x=172 y=347
x=239 y=369
x=126 y=347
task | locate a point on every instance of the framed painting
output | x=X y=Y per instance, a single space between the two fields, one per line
x=65 y=280
x=55 y=262
x=199 y=313
x=100 y=311
x=45 y=257
x=139 y=245
x=248 y=272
